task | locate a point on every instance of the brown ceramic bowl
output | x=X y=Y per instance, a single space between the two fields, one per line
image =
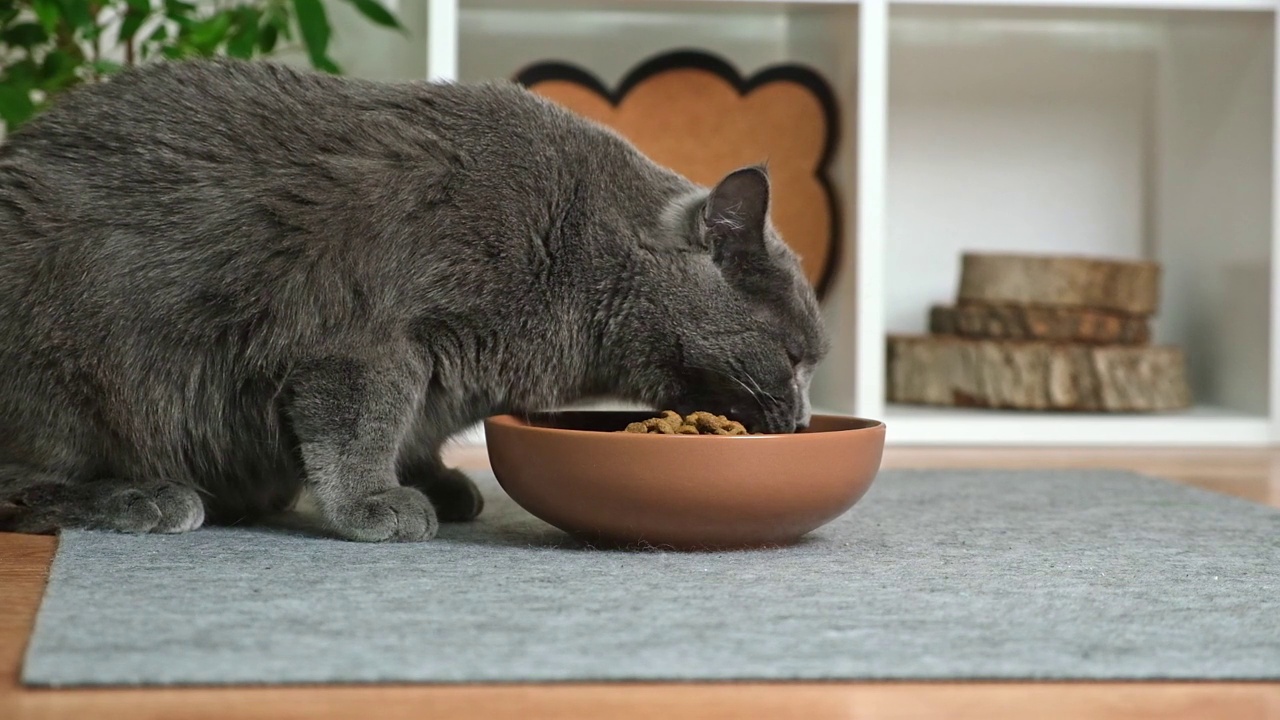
x=572 y=470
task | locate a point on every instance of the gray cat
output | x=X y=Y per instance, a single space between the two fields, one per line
x=220 y=281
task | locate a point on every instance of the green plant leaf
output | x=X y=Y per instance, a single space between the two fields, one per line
x=59 y=70
x=375 y=11
x=106 y=67
x=25 y=35
x=178 y=8
x=177 y=52
x=267 y=38
x=328 y=65
x=48 y=13
x=140 y=6
x=244 y=37
x=207 y=35
x=77 y=14
x=133 y=20
x=277 y=16
x=15 y=105
x=23 y=73
x=314 y=26
x=182 y=14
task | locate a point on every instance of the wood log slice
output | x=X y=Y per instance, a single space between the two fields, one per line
x=1131 y=287
x=1035 y=375
x=1026 y=322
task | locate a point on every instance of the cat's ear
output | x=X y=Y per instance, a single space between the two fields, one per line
x=735 y=213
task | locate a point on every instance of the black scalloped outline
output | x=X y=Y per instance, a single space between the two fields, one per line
x=699 y=60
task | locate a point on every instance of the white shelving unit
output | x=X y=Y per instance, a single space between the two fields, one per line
x=1125 y=128
x=1137 y=130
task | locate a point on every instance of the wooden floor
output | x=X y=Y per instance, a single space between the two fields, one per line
x=1250 y=474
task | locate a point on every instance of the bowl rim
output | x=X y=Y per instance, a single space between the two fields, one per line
x=512 y=420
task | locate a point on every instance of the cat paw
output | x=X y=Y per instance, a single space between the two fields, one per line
x=181 y=509
x=128 y=510
x=110 y=505
x=401 y=514
x=454 y=495
x=154 y=508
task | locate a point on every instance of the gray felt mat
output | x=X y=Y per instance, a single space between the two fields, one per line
x=1070 y=575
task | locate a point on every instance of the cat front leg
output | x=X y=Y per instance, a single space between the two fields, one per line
x=350 y=417
x=454 y=495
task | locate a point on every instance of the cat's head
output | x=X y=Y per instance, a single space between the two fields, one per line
x=733 y=326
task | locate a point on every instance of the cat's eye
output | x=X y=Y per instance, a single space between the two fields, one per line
x=795 y=357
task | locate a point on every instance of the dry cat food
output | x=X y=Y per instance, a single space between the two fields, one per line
x=698 y=423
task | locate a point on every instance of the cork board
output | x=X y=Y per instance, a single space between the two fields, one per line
x=694 y=113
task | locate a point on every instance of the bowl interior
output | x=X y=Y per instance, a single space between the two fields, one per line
x=613 y=420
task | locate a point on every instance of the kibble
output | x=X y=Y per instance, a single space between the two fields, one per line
x=697 y=423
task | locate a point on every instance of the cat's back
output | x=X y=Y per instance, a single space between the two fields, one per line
x=199 y=161
x=271 y=114
x=213 y=130
x=169 y=116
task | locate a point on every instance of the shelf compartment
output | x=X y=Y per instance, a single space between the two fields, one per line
x=498 y=39
x=1091 y=131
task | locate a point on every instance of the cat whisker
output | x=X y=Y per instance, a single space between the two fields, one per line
x=754 y=393
x=760 y=389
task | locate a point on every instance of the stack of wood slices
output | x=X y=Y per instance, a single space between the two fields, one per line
x=1043 y=333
